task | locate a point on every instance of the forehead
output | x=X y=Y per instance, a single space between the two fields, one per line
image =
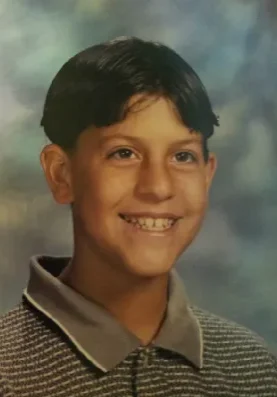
x=152 y=113
x=150 y=119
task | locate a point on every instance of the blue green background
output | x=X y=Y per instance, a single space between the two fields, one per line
x=231 y=268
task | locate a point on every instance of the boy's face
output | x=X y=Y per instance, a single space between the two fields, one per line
x=139 y=189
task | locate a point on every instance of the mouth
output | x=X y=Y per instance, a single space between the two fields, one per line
x=149 y=223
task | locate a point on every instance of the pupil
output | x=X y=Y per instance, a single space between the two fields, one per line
x=181 y=156
x=124 y=153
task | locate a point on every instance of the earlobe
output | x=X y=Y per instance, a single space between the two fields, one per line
x=56 y=167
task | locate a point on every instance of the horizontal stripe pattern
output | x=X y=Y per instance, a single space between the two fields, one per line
x=38 y=360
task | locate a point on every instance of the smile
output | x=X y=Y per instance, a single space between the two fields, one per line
x=151 y=224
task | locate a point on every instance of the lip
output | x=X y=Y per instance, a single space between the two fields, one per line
x=154 y=215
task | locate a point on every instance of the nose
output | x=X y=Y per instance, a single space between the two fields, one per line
x=154 y=182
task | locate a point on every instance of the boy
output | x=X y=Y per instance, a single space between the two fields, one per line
x=129 y=122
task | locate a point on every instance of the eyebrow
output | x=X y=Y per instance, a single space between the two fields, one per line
x=137 y=140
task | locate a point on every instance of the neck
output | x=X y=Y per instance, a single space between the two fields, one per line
x=138 y=303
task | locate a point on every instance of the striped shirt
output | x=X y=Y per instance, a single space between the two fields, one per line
x=57 y=343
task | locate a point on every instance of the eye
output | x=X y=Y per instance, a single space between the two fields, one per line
x=185 y=157
x=121 y=154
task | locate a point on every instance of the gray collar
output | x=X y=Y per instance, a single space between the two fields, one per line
x=97 y=334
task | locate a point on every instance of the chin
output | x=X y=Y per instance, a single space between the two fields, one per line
x=149 y=269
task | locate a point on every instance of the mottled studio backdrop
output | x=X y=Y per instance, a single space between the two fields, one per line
x=231 y=268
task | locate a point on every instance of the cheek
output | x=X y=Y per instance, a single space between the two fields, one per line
x=102 y=192
x=194 y=195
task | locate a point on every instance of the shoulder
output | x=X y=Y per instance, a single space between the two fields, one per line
x=14 y=327
x=13 y=320
x=22 y=339
x=232 y=344
x=215 y=327
x=22 y=329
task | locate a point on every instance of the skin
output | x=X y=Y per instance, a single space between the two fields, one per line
x=161 y=170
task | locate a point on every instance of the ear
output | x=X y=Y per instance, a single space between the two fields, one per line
x=57 y=169
x=211 y=167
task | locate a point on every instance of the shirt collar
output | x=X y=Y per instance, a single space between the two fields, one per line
x=95 y=332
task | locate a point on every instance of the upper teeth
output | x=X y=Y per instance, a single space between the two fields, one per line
x=150 y=222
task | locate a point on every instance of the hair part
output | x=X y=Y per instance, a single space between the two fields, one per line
x=94 y=88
